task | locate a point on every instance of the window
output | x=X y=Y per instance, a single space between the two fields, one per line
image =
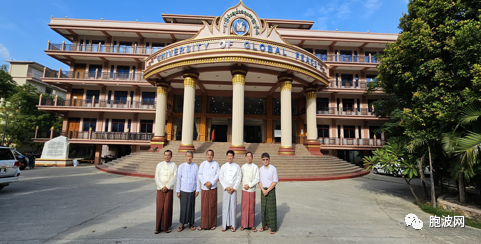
x=323 y=131
x=220 y=105
x=148 y=98
x=276 y=106
x=254 y=105
x=91 y=94
x=48 y=90
x=157 y=46
x=372 y=132
x=106 y=125
x=123 y=72
x=89 y=123
x=322 y=104
x=369 y=104
x=118 y=125
x=93 y=68
x=321 y=54
x=146 y=126
x=179 y=103
x=345 y=56
x=96 y=46
x=370 y=78
x=120 y=97
x=373 y=59
x=346 y=80
x=308 y=50
x=349 y=132
x=6 y=154
x=348 y=105
x=125 y=47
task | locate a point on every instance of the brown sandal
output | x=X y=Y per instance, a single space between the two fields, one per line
x=254 y=229
x=168 y=230
x=232 y=229
x=181 y=228
x=192 y=227
x=241 y=228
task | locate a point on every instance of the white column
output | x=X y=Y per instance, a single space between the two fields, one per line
x=311 y=115
x=238 y=84
x=188 y=112
x=286 y=115
x=160 y=112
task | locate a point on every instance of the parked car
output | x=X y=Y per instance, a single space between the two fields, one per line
x=21 y=158
x=9 y=167
x=379 y=170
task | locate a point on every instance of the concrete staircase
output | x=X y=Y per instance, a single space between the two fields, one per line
x=303 y=166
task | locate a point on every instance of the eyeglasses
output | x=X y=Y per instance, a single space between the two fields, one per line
x=265 y=159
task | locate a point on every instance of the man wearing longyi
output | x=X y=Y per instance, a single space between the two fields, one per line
x=208 y=177
x=187 y=190
x=165 y=177
x=229 y=177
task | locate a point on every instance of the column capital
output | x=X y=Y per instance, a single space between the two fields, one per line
x=242 y=70
x=190 y=73
x=310 y=93
x=285 y=81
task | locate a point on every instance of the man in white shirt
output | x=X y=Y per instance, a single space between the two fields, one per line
x=165 y=176
x=229 y=177
x=187 y=190
x=268 y=180
x=208 y=177
x=250 y=178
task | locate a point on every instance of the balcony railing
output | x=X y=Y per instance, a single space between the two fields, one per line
x=351 y=141
x=94 y=75
x=102 y=48
x=352 y=58
x=91 y=135
x=90 y=103
x=345 y=111
x=351 y=84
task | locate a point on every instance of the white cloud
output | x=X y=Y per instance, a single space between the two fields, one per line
x=371 y=7
x=344 y=11
x=4 y=53
x=310 y=12
x=320 y=24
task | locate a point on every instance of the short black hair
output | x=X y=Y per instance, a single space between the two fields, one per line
x=231 y=152
x=250 y=153
x=210 y=150
x=265 y=155
x=168 y=151
x=191 y=153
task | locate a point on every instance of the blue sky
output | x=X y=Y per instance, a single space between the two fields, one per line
x=24 y=31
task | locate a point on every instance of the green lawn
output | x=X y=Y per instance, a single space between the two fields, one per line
x=441 y=211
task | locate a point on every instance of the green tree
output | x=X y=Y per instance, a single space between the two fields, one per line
x=394 y=158
x=432 y=71
x=7 y=84
x=24 y=117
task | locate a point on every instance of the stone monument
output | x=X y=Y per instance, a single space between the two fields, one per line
x=55 y=153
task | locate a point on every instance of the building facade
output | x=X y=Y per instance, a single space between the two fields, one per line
x=235 y=78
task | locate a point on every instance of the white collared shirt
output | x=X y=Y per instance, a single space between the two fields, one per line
x=187 y=178
x=209 y=171
x=250 y=176
x=165 y=175
x=230 y=175
x=268 y=175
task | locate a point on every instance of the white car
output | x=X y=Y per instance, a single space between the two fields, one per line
x=9 y=167
x=379 y=170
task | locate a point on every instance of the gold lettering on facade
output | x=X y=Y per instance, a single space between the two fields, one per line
x=189 y=82
x=239 y=79
x=286 y=85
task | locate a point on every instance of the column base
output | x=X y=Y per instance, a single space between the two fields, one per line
x=238 y=149
x=157 y=143
x=286 y=151
x=186 y=147
x=313 y=147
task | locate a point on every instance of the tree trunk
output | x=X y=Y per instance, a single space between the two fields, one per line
x=421 y=173
x=462 y=189
x=433 y=193
x=412 y=190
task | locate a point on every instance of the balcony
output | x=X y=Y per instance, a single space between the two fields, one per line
x=87 y=137
x=351 y=142
x=342 y=58
x=95 y=75
x=96 y=48
x=352 y=84
x=345 y=111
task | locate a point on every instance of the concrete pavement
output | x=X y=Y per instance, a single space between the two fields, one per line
x=85 y=205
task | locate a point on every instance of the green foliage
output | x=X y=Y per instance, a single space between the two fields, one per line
x=24 y=117
x=7 y=84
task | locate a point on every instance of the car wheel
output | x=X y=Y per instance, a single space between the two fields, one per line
x=23 y=167
x=374 y=171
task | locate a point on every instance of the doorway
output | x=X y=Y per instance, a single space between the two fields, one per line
x=220 y=133
x=252 y=134
x=73 y=128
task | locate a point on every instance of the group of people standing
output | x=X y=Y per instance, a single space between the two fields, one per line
x=191 y=180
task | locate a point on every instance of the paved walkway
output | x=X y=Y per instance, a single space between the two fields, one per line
x=85 y=205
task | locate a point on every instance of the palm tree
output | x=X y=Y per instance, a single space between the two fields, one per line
x=464 y=146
